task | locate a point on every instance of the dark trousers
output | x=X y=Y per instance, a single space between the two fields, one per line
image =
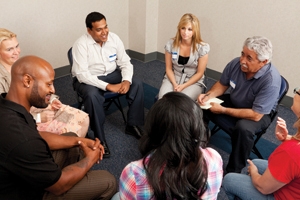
x=93 y=101
x=241 y=131
x=96 y=184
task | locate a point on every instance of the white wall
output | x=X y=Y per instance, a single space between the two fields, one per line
x=48 y=28
x=226 y=24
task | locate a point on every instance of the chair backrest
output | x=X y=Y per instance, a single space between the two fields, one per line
x=70 y=57
x=284 y=87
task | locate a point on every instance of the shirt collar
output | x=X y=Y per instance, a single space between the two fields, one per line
x=17 y=108
x=262 y=71
x=92 y=41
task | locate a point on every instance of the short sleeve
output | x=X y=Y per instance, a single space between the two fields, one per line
x=169 y=46
x=33 y=162
x=127 y=184
x=204 y=49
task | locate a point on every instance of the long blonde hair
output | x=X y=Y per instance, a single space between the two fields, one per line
x=196 y=38
x=6 y=34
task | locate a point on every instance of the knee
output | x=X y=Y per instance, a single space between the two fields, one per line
x=137 y=82
x=243 y=130
x=111 y=183
x=230 y=180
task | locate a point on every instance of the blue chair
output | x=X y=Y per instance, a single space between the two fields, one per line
x=110 y=97
x=226 y=124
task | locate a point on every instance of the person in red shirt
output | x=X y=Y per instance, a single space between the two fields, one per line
x=277 y=178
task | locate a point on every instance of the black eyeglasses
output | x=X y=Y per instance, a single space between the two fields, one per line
x=296 y=91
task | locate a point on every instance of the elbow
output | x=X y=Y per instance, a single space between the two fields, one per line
x=58 y=191
x=257 y=117
x=264 y=191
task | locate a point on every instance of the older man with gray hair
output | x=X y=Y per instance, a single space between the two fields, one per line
x=254 y=85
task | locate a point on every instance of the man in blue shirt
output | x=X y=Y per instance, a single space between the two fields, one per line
x=254 y=90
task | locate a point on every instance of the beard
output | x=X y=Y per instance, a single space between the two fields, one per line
x=35 y=99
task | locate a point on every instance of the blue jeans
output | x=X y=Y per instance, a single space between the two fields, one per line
x=239 y=186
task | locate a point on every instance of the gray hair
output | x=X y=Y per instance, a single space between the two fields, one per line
x=261 y=46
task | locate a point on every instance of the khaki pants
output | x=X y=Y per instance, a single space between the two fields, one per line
x=96 y=184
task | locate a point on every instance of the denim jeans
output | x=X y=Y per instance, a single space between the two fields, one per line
x=239 y=186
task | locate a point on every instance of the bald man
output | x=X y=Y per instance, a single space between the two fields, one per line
x=43 y=165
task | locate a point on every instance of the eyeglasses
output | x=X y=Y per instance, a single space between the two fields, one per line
x=296 y=91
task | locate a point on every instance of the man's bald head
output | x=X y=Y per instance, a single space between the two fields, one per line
x=31 y=65
x=31 y=82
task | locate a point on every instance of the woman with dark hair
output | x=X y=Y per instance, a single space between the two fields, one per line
x=176 y=163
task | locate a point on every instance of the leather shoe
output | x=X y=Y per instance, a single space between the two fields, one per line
x=134 y=131
x=106 y=150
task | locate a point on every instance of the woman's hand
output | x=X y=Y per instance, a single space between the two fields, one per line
x=281 y=131
x=56 y=104
x=47 y=115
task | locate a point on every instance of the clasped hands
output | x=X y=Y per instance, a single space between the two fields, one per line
x=92 y=149
x=121 y=88
x=178 y=88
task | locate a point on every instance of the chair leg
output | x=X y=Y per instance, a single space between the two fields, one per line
x=214 y=130
x=256 y=152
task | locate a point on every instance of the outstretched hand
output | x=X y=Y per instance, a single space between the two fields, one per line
x=281 y=131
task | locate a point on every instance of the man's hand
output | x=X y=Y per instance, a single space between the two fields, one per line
x=125 y=85
x=113 y=87
x=217 y=108
x=94 y=145
x=202 y=98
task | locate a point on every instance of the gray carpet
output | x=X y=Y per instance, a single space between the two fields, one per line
x=124 y=148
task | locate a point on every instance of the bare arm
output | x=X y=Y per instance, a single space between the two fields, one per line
x=244 y=113
x=169 y=68
x=57 y=142
x=202 y=62
x=72 y=174
x=264 y=183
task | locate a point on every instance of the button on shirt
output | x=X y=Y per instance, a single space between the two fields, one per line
x=91 y=60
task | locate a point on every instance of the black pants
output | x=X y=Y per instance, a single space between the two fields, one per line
x=93 y=101
x=241 y=131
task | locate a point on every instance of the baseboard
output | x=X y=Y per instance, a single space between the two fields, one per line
x=65 y=70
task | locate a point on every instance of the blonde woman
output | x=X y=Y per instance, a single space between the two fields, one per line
x=275 y=178
x=186 y=57
x=57 y=117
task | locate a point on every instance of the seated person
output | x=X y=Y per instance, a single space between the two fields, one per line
x=255 y=85
x=176 y=163
x=28 y=169
x=96 y=55
x=57 y=117
x=276 y=178
x=186 y=58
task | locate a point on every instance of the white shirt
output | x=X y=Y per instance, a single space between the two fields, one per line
x=91 y=60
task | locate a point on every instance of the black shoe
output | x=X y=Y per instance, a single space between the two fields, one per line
x=134 y=131
x=106 y=150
